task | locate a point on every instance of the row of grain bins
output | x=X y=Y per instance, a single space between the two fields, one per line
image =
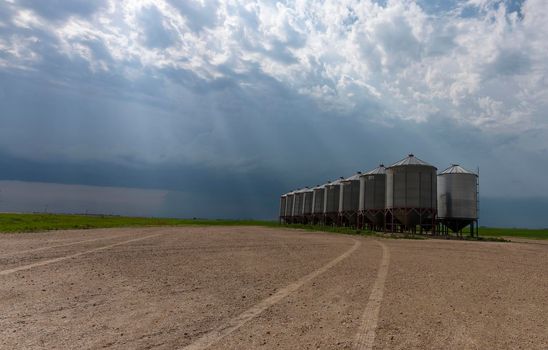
x=408 y=196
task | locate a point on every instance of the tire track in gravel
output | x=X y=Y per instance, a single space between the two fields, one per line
x=51 y=261
x=217 y=334
x=365 y=338
x=15 y=253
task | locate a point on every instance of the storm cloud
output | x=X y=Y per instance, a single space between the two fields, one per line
x=238 y=101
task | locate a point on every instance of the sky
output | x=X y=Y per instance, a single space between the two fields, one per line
x=213 y=108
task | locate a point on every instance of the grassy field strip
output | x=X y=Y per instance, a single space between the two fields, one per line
x=514 y=232
x=47 y=222
x=13 y=223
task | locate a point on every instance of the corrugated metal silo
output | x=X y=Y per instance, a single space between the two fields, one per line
x=298 y=206
x=282 y=205
x=350 y=200
x=307 y=201
x=411 y=192
x=351 y=193
x=333 y=196
x=289 y=205
x=457 y=197
x=318 y=199
x=373 y=195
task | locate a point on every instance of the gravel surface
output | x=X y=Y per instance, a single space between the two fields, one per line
x=174 y=287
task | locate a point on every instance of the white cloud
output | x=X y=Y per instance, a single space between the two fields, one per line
x=488 y=70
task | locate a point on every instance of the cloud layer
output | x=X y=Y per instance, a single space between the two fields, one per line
x=478 y=62
x=293 y=91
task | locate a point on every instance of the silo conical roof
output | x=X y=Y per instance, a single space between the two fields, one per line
x=353 y=177
x=377 y=171
x=336 y=182
x=457 y=169
x=411 y=160
x=301 y=190
x=321 y=186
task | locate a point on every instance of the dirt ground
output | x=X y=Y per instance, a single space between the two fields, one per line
x=250 y=288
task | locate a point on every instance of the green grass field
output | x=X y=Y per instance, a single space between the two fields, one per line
x=12 y=223
x=48 y=222
x=513 y=232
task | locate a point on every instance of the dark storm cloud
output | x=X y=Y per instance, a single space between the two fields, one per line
x=270 y=143
x=521 y=212
x=215 y=125
x=180 y=177
x=208 y=188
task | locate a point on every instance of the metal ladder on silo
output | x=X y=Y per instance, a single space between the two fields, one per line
x=477 y=202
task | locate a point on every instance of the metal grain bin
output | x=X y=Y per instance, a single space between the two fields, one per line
x=298 y=206
x=457 y=197
x=289 y=204
x=411 y=191
x=351 y=193
x=333 y=196
x=307 y=201
x=373 y=194
x=318 y=199
x=282 y=205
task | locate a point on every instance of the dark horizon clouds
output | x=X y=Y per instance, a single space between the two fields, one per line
x=239 y=101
